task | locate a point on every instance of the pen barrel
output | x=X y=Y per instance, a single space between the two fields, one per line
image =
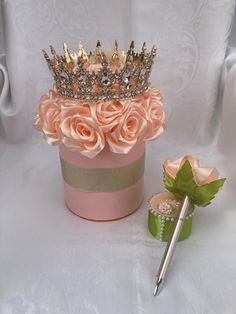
x=170 y=247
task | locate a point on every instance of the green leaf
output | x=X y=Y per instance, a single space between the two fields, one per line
x=206 y=193
x=184 y=181
x=168 y=181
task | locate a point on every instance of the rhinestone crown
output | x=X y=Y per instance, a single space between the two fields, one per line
x=100 y=76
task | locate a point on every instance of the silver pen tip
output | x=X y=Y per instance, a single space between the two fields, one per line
x=155 y=290
x=157 y=287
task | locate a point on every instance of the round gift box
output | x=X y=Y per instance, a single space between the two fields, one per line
x=107 y=187
x=161 y=224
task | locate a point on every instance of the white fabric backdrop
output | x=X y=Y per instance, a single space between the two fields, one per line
x=53 y=262
x=191 y=36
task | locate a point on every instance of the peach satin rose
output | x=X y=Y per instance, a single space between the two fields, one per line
x=48 y=117
x=80 y=132
x=109 y=113
x=37 y=123
x=202 y=175
x=152 y=100
x=155 y=94
x=130 y=130
x=155 y=120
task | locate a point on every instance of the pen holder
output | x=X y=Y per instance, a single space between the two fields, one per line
x=163 y=212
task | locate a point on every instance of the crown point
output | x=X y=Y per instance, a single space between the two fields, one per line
x=115 y=55
x=52 y=50
x=154 y=50
x=82 y=52
x=99 y=54
x=66 y=52
x=130 y=53
x=144 y=47
x=46 y=56
x=65 y=46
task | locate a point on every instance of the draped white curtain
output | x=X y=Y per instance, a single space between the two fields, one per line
x=53 y=262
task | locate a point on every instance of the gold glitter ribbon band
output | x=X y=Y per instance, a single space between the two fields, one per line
x=103 y=179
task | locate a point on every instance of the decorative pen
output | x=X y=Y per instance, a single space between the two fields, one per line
x=196 y=185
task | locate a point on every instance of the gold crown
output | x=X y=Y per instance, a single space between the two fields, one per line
x=95 y=76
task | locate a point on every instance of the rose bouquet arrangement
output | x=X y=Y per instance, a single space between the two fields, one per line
x=86 y=127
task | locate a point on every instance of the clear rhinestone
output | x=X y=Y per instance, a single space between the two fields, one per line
x=126 y=78
x=82 y=79
x=141 y=83
x=106 y=81
x=143 y=71
x=128 y=87
x=64 y=75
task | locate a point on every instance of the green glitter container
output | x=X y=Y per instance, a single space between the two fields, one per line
x=161 y=222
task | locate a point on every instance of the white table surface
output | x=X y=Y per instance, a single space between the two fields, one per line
x=53 y=262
